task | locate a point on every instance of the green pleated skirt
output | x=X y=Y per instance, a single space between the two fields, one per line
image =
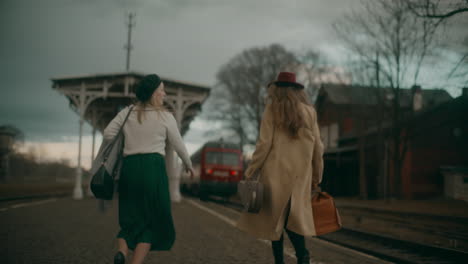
x=144 y=202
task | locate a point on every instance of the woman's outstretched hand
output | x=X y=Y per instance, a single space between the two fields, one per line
x=190 y=171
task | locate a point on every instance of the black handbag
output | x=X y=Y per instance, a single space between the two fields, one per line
x=106 y=165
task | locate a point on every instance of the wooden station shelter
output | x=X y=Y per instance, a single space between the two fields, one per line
x=98 y=98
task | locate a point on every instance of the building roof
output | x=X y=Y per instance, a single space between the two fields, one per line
x=106 y=93
x=366 y=95
x=115 y=75
x=456 y=106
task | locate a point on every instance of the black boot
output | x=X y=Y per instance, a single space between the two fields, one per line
x=277 y=247
x=298 y=242
x=304 y=258
x=119 y=258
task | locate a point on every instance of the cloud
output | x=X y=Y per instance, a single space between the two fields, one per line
x=62 y=151
x=187 y=40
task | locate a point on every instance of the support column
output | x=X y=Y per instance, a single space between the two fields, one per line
x=89 y=192
x=363 y=194
x=126 y=86
x=78 y=190
x=175 y=182
x=94 y=143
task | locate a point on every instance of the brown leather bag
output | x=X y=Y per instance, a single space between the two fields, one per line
x=251 y=194
x=326 y=217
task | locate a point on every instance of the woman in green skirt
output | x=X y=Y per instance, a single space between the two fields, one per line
x=151 y=131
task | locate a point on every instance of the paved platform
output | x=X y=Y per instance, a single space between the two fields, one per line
x=68 y=231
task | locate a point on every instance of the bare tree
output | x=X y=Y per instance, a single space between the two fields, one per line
x=240 y=92
x=436 y=8
x=437 y=12
x=238 y=99
x=235 y=123
x=314 y=69
x=460 y=70
x=389 y=44
x=367 y=73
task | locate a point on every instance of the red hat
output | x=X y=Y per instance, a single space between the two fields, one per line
x=287 y=79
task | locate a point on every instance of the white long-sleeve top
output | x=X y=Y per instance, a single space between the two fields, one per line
x=158 y=132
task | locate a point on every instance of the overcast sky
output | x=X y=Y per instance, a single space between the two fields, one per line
x=187 y=40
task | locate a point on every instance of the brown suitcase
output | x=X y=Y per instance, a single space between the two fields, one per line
x=326 y=217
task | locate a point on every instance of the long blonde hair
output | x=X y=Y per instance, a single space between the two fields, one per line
x=141 y=108
x=285 y=104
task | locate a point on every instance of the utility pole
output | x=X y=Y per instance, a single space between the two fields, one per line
x=129 y=47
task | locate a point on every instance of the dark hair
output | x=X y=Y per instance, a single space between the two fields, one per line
x=144 y=90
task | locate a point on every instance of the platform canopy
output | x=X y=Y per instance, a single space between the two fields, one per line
x=99 y=97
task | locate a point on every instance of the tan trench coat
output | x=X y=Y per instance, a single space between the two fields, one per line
x=288 y=167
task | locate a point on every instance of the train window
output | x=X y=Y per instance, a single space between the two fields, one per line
x=222 y=158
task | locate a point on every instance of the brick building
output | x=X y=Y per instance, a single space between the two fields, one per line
x=355 y=128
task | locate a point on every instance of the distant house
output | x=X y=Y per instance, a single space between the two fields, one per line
x=438 y=138
x=344 y=109
x=357 y=157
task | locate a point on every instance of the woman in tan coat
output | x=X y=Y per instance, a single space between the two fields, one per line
x=288 y=156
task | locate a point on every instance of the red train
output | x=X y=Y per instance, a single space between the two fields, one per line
x=218 y=168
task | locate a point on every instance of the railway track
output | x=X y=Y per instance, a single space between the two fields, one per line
x=383 y=247
x=394 y=250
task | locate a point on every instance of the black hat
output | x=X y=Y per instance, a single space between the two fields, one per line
x=146 y=87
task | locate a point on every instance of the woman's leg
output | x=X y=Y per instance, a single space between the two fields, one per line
x=298 y=242
x=122 y=245
x=140 y=252
x=277 y=247
x=278 y=244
